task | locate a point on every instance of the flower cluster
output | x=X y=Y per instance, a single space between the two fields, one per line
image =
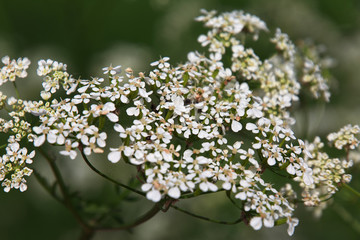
x=13 y=166
x=13 y=69
x=328 y=174
x=14 y=160
x=346 y=137
x=315 y=65
x=202 y=126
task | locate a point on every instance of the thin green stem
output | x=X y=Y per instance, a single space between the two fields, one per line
x=195 y=194
x=16 y=90
x=351 y=189
x=206 y=218
x=109 y=178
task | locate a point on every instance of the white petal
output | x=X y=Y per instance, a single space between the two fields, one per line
x=112 y=117
x=101 y=142
x=226 y=185
x=236 y=126
x=271 y=161
x=212 y=187
x=202 y=160
x=256 y=223
x=51 y=138
x=154 y=195
x=237 y=145
x=241 y=196
x=23 y=187
x=244 y=183
x=307 y=177
x=146 y=187
x=114 y=157
x=73 y=154
x=139 y=154
x=128 y=151
x=60 y=139
x=269 y=222
x=119 y=128
x=37 y=130
x=167 y=156
x=257 y=145
x=109 y=106
x=87 y=151
x=251 y=126
x=204 y=187
x=85 y=140
x=290 y=169
x=174 y=192
x=124 y=99
x=39 y=141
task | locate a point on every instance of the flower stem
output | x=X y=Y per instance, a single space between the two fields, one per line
x=196 y=193
x=67 y=198
x=351 y=189
x=16 y=90
x=109 y=178
x=206 y=218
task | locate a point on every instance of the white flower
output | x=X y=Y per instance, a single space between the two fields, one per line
x=69 y=149
x=112 y=70
x=39 y=140
x=292 y=222
x=307 y=177
x=178 y=104
x=162 y=63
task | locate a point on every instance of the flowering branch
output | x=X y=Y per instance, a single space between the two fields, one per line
x=214 y=123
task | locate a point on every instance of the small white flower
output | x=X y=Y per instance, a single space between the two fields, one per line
x=292 y=222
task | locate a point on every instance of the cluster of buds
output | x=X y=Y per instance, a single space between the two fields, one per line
x=202 y=126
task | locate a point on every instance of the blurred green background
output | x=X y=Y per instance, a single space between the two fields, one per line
x=91 y=34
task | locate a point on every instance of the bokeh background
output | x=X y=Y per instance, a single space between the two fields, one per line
x=91 y=34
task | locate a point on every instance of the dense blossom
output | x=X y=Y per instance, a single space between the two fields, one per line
x=202 y=126
x=13 y=69
x=327 y=173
